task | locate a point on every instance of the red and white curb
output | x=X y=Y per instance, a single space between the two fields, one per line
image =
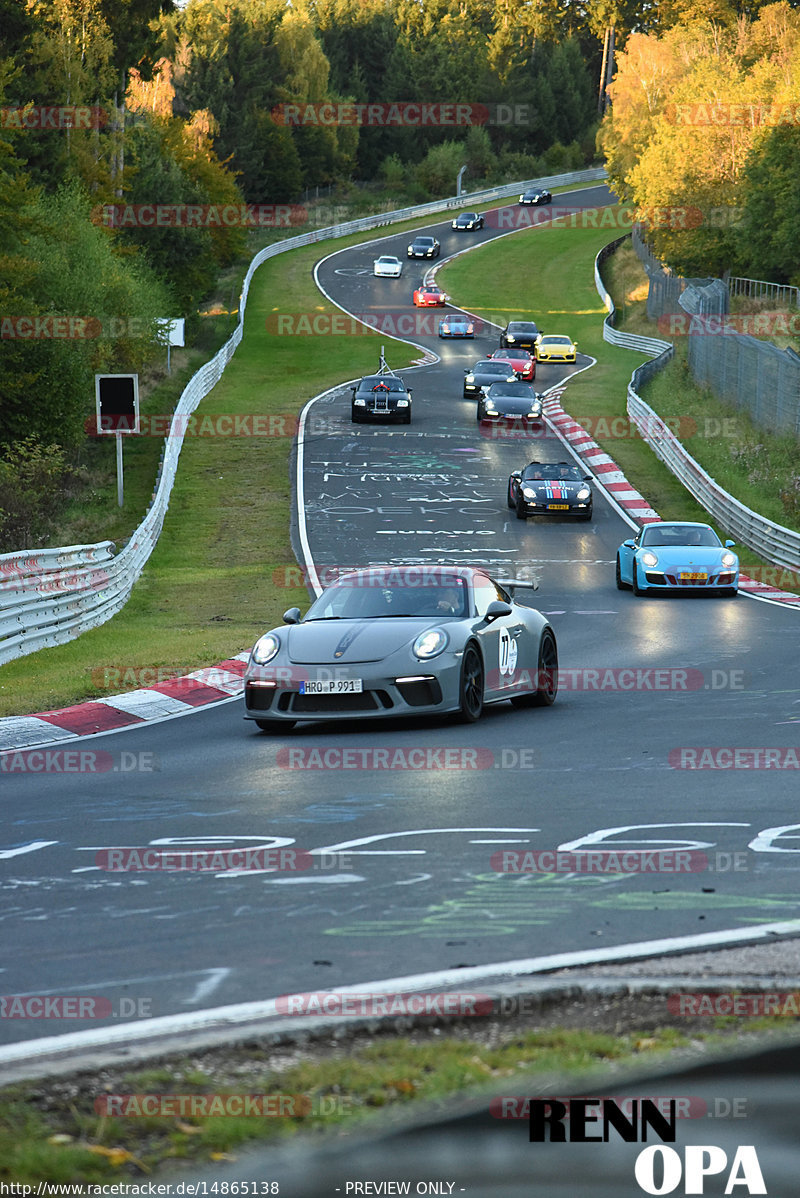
x=628 y=498
x=599 y=462
x=163 y=700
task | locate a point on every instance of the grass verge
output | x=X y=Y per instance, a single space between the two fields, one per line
x=64 y=1132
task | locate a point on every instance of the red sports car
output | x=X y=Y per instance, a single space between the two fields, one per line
x=429 y=297
x=522 y=362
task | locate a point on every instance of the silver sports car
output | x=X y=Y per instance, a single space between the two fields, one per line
x=402 y=641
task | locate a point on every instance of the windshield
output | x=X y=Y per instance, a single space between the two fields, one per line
x=524 y=390
x=557 y=340
x=680 y=534
x=364 y=598
x=381 y=382
x=550 y=471
x=490 y=368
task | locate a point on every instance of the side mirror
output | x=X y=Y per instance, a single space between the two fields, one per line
x=496 y=609
x=587 y=478
x=629 y=544
x=516 y=474
x=729 y=544
x=292 y=616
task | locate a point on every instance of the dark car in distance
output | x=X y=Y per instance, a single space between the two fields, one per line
x=536 y=195
x=467 y=220
x=381 y=397
x=483 y=374
x=520 y=334
x=424 y=247
x=510 y=401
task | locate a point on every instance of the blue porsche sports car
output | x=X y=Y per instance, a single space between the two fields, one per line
x=677 y=556
x=456 y=325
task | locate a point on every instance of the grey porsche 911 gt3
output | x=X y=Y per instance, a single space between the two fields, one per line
x=402 y=641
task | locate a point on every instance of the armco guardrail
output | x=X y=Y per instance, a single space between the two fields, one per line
x=644 y=345
x=68 y=593
x=771 y=541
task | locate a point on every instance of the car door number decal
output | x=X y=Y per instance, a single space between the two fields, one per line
x=508 y=652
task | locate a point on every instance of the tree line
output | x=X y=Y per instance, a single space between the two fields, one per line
x=704 y=138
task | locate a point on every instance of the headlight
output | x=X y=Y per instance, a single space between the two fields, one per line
x=521 y=198
x=430 y=644
x=528 y=492
x=584 y=493
x=402 y=403
x=265 y=649
x=489 y=405
x=650 y=559
x=729 y=560
x=509 y=337
x=360 y=403
x=470 y=378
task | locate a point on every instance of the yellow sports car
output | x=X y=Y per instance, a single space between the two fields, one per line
x=552 y=347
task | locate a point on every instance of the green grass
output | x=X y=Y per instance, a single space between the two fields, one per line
x=209 y=588
x=56 y=1133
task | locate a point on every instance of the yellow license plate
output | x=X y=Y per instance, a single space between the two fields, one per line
x=558 y=507
x=694 y=578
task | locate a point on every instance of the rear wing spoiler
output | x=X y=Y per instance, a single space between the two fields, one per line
x=519 y=584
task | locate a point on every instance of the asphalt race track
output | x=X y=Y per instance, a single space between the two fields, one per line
x=413 y=888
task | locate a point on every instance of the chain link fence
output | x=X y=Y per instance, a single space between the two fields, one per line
x=754 y=375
